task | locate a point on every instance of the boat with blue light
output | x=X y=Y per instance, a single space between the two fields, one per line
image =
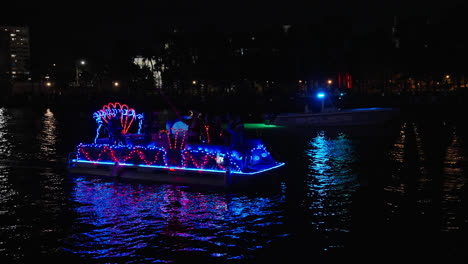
x=338 y=117
x=334 y=116
x=166 y=156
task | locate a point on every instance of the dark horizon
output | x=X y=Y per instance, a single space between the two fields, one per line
x=69 y=28
x=325 y=37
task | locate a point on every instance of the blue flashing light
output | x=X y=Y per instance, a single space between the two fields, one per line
x=321 y=95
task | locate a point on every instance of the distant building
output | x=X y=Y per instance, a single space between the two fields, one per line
x=17 y=50
x=4 y=55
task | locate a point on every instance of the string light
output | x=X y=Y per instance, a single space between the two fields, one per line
x=173 y=157
x=110 y=110
x=200 y=159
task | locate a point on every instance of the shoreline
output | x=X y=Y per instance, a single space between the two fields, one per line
x=252 y=108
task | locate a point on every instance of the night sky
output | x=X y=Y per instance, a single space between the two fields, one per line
x=71 y=29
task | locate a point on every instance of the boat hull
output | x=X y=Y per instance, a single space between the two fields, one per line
x=176 y=176
x=351 y=117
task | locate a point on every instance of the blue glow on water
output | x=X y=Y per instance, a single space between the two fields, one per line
x=115 y=221
x=331 y=178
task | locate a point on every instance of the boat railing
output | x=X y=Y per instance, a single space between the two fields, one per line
x=72 y=156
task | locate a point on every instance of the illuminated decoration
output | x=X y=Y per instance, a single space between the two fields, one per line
x=321 y=95
x=96 y=153
x=176 y=133
x=202 y=160
x=210 y=159
x=126 y=118
x=179 y=125
x=207 y=129
x=167 y=151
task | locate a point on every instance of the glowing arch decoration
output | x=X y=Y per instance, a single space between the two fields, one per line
x=128 y=115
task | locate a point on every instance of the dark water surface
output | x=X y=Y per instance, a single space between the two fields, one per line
x=393 y=193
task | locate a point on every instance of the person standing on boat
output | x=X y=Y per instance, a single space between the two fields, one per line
x=214 y=129
x=194 y=127
x=115 y=129
x=236 y=129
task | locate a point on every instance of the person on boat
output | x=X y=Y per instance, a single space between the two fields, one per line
x=194 y=127
x=214 y=129
x=115 y=129
x=237 y=132
x=236 y=129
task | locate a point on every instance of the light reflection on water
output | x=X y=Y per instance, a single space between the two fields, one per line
x=123 y=220
x=43 y=212
x=331 y=180
x=28 y=134
x=453 y=185
x=427 y=168
x=5 y=137
x=48 y=137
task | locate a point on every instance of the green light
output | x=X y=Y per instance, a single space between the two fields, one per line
x=259 y=126
x=256 y=126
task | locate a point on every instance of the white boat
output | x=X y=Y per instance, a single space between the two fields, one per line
x=345 y=117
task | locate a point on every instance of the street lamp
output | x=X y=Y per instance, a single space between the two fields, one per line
x=80 y=63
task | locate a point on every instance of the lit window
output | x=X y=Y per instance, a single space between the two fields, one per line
x=12 y=35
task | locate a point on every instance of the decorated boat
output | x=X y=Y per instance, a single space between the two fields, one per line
x=166 y=156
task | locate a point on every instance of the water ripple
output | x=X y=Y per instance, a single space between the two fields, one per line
x=331 y=180
x=118 y=220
